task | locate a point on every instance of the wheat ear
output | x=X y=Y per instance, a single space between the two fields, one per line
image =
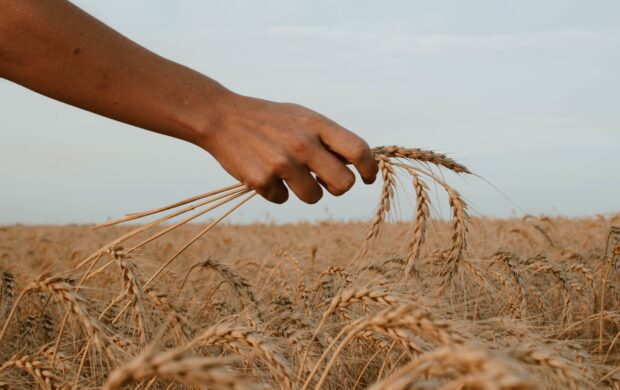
x=415 y=154
x=132 y=289
x=42 y=372
x=239 y=285
x=507 y=259
x=530 y=354
x=585 y=272
x=387 y=193
x=421 y=216
x=7 y=293
x=463 y=367
x=543 y=265
x=459 y=231
x=175 y=366
x=227 y=335
x=347 y=298
x=395 y=323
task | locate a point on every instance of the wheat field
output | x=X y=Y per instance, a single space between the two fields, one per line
x=459 y=303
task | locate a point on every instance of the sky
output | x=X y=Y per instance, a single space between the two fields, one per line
x=525 y=93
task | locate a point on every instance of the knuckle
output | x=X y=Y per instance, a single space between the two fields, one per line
x=259 y=182
x=280 y=165
x=317 y=122
x=299 y=146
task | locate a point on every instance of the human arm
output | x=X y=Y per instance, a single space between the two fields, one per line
x=58 y=50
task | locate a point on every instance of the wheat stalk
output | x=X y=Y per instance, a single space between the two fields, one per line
x=507 y=259
x=134 y=216
x=223 y=195
x=239 y=285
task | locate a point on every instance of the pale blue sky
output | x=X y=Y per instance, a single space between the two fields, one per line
x=525 y=93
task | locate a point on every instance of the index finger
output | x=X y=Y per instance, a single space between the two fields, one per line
x=352 y=149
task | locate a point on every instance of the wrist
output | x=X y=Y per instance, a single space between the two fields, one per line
x=205 y=113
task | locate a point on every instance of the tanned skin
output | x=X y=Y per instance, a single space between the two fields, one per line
x=56 y=49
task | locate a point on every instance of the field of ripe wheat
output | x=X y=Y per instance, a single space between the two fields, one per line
x=463 y=303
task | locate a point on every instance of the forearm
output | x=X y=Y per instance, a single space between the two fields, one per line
x=56 y=49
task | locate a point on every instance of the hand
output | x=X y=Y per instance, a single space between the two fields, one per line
x=58 y=50
x=262 y=144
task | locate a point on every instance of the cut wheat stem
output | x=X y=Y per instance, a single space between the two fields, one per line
x=125 y=237
x=227 y=198
x=134 y=216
